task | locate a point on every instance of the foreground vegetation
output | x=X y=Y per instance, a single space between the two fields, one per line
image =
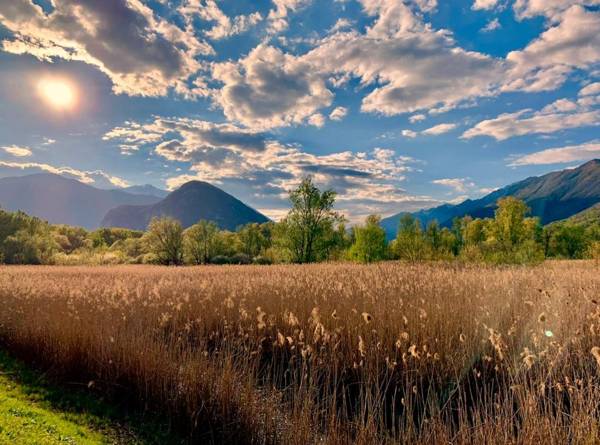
x=311 y=232
x=336 y=354
x=35 y=411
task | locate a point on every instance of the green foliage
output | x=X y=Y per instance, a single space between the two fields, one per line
x=164 y=239
x=308 y=232
x=410 y=242
x=369 y=241
x=201 y=242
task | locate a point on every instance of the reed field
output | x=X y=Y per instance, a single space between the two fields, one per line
x=328 y=353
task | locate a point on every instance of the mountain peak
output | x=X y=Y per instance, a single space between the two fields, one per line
x=193 y=201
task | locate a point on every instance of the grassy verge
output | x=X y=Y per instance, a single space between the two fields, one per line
x=32 y=411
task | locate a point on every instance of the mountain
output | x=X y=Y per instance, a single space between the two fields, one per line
x=190 y=203
x=589 y=217
x=551 y=197
x=147 y=189
x=61 y=200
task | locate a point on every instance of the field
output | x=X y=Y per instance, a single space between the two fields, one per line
x=332 y=354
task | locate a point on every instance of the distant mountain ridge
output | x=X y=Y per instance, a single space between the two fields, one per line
x=147 y=189
x=190 y=203
x=551 y=197
x=61 y=200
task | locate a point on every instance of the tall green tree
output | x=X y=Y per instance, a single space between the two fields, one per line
x=369 y=241
x=201 y=242
x=307 y=228
x=254 y=239
x=164 y=239
x=410 y=242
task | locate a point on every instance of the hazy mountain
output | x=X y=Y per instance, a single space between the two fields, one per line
x=190 y=203
x=147 y=189
x=554 y=196
x=61 y=200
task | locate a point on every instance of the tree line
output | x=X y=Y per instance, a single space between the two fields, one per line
x=311 y=232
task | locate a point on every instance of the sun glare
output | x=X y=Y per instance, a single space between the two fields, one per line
x=58 y=93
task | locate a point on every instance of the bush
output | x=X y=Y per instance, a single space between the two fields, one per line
x=241 y=258
x=262 y=260
x=220 y=260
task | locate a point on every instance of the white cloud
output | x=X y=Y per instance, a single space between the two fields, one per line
x=546 y=62
x=492 y=25
x=524 y=122
x=317 y=120
x=225 y=26
x=188 y=138
x=590 y=90
x=19 y=152
x=549 y=8
x=459 y=185
x=559 y=155
x=412 y=66
x=484 y=4
x=278 y=16
x=416 y=118
x=96 y=177
x=409 y=134
x=439 y=129
x=338 y=114
x=141 y=53
x=270 y=89
x=559 y=115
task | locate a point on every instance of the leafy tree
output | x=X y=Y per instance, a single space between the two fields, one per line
x=509 y=229
x=307 y=229
x=370 y=243
x=164 y=239
x=254 y=239
x=201 y=241
x=569 y=241
x=410 y=242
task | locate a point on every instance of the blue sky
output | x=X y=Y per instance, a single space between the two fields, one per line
x=397 y=105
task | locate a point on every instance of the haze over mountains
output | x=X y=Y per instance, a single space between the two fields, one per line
x=551 y=197
x=61 y=200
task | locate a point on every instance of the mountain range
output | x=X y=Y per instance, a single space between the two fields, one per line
x=551 y=197
x=193 y=201
x=60 y=200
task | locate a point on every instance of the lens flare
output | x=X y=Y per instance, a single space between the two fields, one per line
x=60 y=94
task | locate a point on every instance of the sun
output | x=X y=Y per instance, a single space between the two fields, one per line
x=59 y=93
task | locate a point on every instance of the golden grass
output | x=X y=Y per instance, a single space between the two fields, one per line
x=334 y=354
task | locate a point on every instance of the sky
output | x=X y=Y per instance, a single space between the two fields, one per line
x=397 y=105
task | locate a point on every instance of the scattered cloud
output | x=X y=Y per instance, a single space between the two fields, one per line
x=484 y=4
x=409 y=134
x=97 y=178
x=17 y=151
x=458 y=185
x=439 y=129
x=366 y=182
x=524 y=122
x=269 y=88
x=338 y=114
x=225 y=26
x=560 y=115
x=559 y=155
x=416 y=118
x=141 y=53
x=573 y=42
x=492 y=25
